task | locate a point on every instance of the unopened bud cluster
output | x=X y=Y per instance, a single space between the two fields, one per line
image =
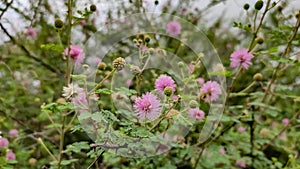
x=119 y=63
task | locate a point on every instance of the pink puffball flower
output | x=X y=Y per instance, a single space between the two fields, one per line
x=147 y=107
x=240 y=164
x=76 y=53
x=241 y=129
x=196 y=113
x=13 y=133
x=201 y=81
x=285 y=121
x=241 y=58
x=144 y=48
x=164 y=81
x=10 y=155
x=81 y=102
x=31 y=32
x=210 y=91
x=222 y=151
x=3 y=142
x=173 y=28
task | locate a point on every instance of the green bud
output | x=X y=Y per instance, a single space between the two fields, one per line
x=193 y=104
x=58 y=23
x=259 y=40
x=246 y=6
x=180 y=64
x=259 y=4
x=147 y=39
x=168 y=91
x=258 y=77
x=93 y=7
x=101 y=66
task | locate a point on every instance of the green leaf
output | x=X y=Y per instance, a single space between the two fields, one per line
x=103 y=91
x=68 y=162
x=52 y=47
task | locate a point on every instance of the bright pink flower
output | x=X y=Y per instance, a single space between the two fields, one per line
x=210 y=91
x=240 y=164
x=201 y=80
x=285 y=121
x=164 y=81
x=31 y=32
x=222 y=151
x=148 y=107
x=13 y=133
x=196 y=113
x=76 y=53
x=10 y=155
x=241 y=129
x=3 y=142
x=173 y=28
x=241 y=58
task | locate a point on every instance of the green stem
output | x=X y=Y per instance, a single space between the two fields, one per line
x=61 y=143
x=46 y=148
x=248 y=87
x=102 y=81
x=70 y=15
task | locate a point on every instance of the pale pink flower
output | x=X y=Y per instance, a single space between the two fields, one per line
x=164 y=81
x=76 y=53
x=191 y=68
x=3 y=142
x=285 y=121
x=81 y=102
x=210 y=91
x=175 y=98
x=31 y=32
x=129 y=82
x=10 y=155
x=241 y=58
x=196 y=113
x=201 y=81
x=144 y=48
x=82 y=22
x=240 y=164
x=241 y=129
x=173 y=28
x=147 y=107
x=71 y=90
x=222 y=151
x=13 y=133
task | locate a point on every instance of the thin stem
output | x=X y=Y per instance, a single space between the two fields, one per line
x=92 y=164
x=70 y=15
x=102 y=81
x=61 y=143
x=247 y=88
x=46 y=148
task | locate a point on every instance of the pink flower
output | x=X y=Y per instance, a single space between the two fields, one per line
x=80 y=101
x=240 y=164
x=222 y=151
x=210 y=91
x=82 y=22
x=3 y=142
x=148 y=107
x=31 y=32
x=191 y=68
x=10 y=155
x=129 y=82
x=241 y=129
x=144 y=48
x=164 y=81
x=285 y=121
x=200 y=80
x=196 y=113
x=76 y=53
x=13 y=133
x=175 y=98
x=173 y=28
x=241 y=58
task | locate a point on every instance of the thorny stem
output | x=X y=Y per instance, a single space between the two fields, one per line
x=70 y=15
x=285 y=55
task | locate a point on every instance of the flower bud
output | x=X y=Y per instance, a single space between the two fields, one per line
x=58 y=23
x=259 y=4
x=259 y=40
x=280 y=8
x=193 y=104
x=93 y=7
x=101 y=66
x=246 y=6
x=180 y=64
x=119 y=63
x=32 y=161
x=168 y=91
x=147 y=39
x=156 y=2
x=135 y=69
x=258 y=77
